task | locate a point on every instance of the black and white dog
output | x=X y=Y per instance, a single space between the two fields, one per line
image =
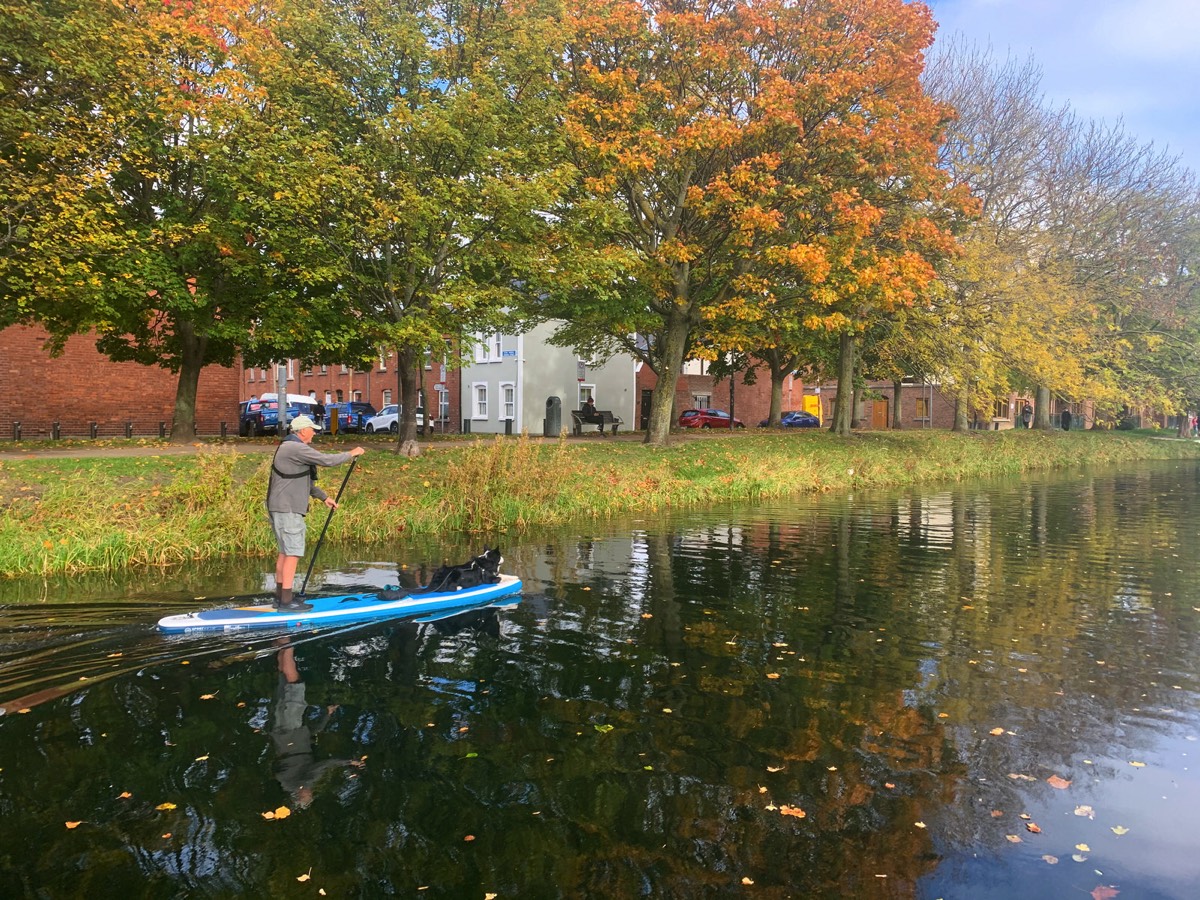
x=482 y=569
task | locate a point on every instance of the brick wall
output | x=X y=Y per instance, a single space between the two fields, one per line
x=83 y=386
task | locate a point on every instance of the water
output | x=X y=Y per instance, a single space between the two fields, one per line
x=980 y=691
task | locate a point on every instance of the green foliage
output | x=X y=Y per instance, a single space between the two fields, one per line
x=75 y=515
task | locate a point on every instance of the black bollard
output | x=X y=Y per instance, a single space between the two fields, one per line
x=55 y=431
x=128 y=429
x=16 y=431
x=222 y=431
x=92 y=429
x=162 y=429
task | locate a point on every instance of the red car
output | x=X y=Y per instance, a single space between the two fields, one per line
x=707 y=418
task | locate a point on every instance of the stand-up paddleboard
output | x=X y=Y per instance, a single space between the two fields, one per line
x=341 y=609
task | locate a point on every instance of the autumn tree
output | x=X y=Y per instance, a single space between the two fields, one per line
x=727 y=149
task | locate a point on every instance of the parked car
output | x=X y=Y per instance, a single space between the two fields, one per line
x=707 y=418
x=796 y=418
x=388 y=419
x=351 y=415
x=261 y=416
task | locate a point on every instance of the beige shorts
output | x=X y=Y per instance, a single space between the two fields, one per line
x=289 y=529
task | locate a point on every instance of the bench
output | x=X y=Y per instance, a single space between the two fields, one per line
x=601 y=418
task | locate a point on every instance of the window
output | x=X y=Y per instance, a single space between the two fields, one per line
x=702 y=401
x=922 y=407
x=324 y=370
x=356 y=397
x=345 y=369
x=494 y=348
x=387 y=398
x=382 y=362
x=308 y=370
x=339 y=395
x=443 y=404
x=508 y=394
x=291 y=370
x=1001 y=411
x=328 y=398
x=586 y=392
x=479 y=395
x=428 y=360
x=250 y=374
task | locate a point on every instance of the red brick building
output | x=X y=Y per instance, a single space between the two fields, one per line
x=378 y=385
x=82 y=387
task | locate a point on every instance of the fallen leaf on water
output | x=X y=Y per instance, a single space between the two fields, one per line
x=1013 y=838
x=304 y=877
x=282 y=812
x=1078 y=857
x=772 y=674
x=1025 y=816
x=647 y=615
x=943 y=715
x=124 y=795
x=1083 y=848
x=996 y=731
x=1033 y=826
x=1085 y=811
x=796 y=811
x=774 y=768
x=761 y=789
x=920 y=824
x=889 y=785
x=1120 y=829
x=1017 y=777
x=207 y=696
x=469 y=837
x=74 y=824
x=1056 y=781
x=603 y=729
x=201 y=758
x=666 y=709
x=1137 y=765
x=1104 y=892
x=997 y=813
x=165 y=806
x=1052 y=860
x=745 y=880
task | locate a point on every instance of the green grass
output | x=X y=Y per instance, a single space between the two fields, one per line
x=69 y=515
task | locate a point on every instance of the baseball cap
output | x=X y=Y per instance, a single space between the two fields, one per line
x=301 y=422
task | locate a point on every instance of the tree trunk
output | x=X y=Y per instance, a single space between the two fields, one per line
x=183 y=425
x=845 y=389
x=775 y=416
x=962 y=409
x=897 y=404
x=662 y=404
x=856 y=409
x=1041 y=410
x=406 y=438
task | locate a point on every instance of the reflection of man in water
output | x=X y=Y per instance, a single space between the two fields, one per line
x=296 y=765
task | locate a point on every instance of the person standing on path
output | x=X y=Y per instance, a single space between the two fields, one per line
x=293 y=482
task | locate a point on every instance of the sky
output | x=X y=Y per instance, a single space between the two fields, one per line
x=1133 y=60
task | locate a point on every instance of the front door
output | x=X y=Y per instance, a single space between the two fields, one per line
x=879 y=414
x=644 y=418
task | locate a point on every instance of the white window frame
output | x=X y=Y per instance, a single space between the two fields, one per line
x=356 y=397
x=328 y=397
x=495 y=348
x=508 y=401
x=345 y=369
x=387 y=397
x=443 y=403
x=585 y=391
x=291 y=370
x=324 y=370
x=479 y=401
x=382 y=362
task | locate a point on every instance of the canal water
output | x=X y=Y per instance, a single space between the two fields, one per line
x=983 y=691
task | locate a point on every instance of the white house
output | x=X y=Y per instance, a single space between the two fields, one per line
x=508 y=382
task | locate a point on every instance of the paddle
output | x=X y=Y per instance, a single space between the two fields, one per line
x=321 y=539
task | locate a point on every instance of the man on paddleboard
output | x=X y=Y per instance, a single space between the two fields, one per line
x=293 y=482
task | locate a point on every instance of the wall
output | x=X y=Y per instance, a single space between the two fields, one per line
x=83 y=386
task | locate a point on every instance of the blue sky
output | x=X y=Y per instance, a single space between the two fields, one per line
x=1135 y=60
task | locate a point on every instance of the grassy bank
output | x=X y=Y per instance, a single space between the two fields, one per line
x=63 y=515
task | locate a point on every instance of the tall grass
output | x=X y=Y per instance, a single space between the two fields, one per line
x=66 y=516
